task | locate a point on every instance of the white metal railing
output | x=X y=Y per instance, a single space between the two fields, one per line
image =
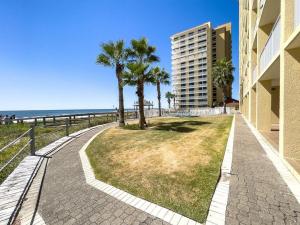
x=262 y=3
x=297 y=13
x=255 y=28
x=271 y=48
x=254 y=75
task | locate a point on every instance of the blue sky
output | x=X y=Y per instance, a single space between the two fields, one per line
x=48 y=48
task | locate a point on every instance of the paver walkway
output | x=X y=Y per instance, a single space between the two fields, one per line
x=67 y=199
x=257 y=194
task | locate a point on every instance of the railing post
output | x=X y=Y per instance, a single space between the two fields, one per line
x=32 y=140
x=89 y=120
x=67 y=127
x=44 y=121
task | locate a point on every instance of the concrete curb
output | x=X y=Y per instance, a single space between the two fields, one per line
x=217 y=209
x=141 y=204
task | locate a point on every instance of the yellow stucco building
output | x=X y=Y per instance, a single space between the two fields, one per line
x=269 y=52
x=193 y=53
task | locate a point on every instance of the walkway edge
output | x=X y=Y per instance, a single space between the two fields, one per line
x=217 y=209
x=281 y=167
x=141 y=204
x=15 y=187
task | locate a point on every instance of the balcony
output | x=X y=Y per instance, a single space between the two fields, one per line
x=271 y=49
x=297 y=13
x=254 y=75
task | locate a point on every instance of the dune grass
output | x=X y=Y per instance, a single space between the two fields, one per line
x=174 y=163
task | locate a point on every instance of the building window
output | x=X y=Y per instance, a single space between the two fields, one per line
x=201 y=30
x=191 y=33
x=191 y=50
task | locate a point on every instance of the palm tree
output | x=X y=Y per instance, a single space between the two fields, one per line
x=142 y=55
x=222 y=77
x=174 y=98
x=115 y=55
x=160 y=76
x=169 y=96
x=134 y=74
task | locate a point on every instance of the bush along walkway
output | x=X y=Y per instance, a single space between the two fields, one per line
x=257 y=193
x=66 y=198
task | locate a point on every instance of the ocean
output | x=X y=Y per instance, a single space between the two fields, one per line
x=34 y=113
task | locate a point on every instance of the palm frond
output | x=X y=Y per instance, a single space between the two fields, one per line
x=222 y=74
x=103 y=60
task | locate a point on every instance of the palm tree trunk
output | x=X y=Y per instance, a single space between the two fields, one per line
x=158 y=97
x=169 y=102
x=140 y=91
x=121 y=106
x=224 y=100
x=174 y=102
x=121 y=98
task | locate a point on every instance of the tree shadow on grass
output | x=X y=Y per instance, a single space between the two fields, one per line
x=182 y=126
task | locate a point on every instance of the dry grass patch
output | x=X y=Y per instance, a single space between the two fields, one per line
x=174 y=163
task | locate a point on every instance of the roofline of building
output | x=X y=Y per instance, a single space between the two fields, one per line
x=190 y=29
x=228 y=24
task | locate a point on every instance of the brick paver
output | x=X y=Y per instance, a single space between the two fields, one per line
x=257 y=194
x=67 y=199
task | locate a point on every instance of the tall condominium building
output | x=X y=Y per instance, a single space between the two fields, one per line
x=193 y=53
x=270 y=73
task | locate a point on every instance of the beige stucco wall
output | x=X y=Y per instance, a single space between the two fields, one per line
x=275 y=104
x=253 y=107
x=291 y=106
x=264 y=105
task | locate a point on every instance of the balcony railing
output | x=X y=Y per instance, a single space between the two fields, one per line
x=271 y=48
x=262 y=3
x=254 y=75
x=255 y=28
x=297 y=13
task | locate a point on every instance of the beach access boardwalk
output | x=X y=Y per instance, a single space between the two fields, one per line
x=258 y=193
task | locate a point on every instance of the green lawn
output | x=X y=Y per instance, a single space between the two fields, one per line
x=174 y=163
